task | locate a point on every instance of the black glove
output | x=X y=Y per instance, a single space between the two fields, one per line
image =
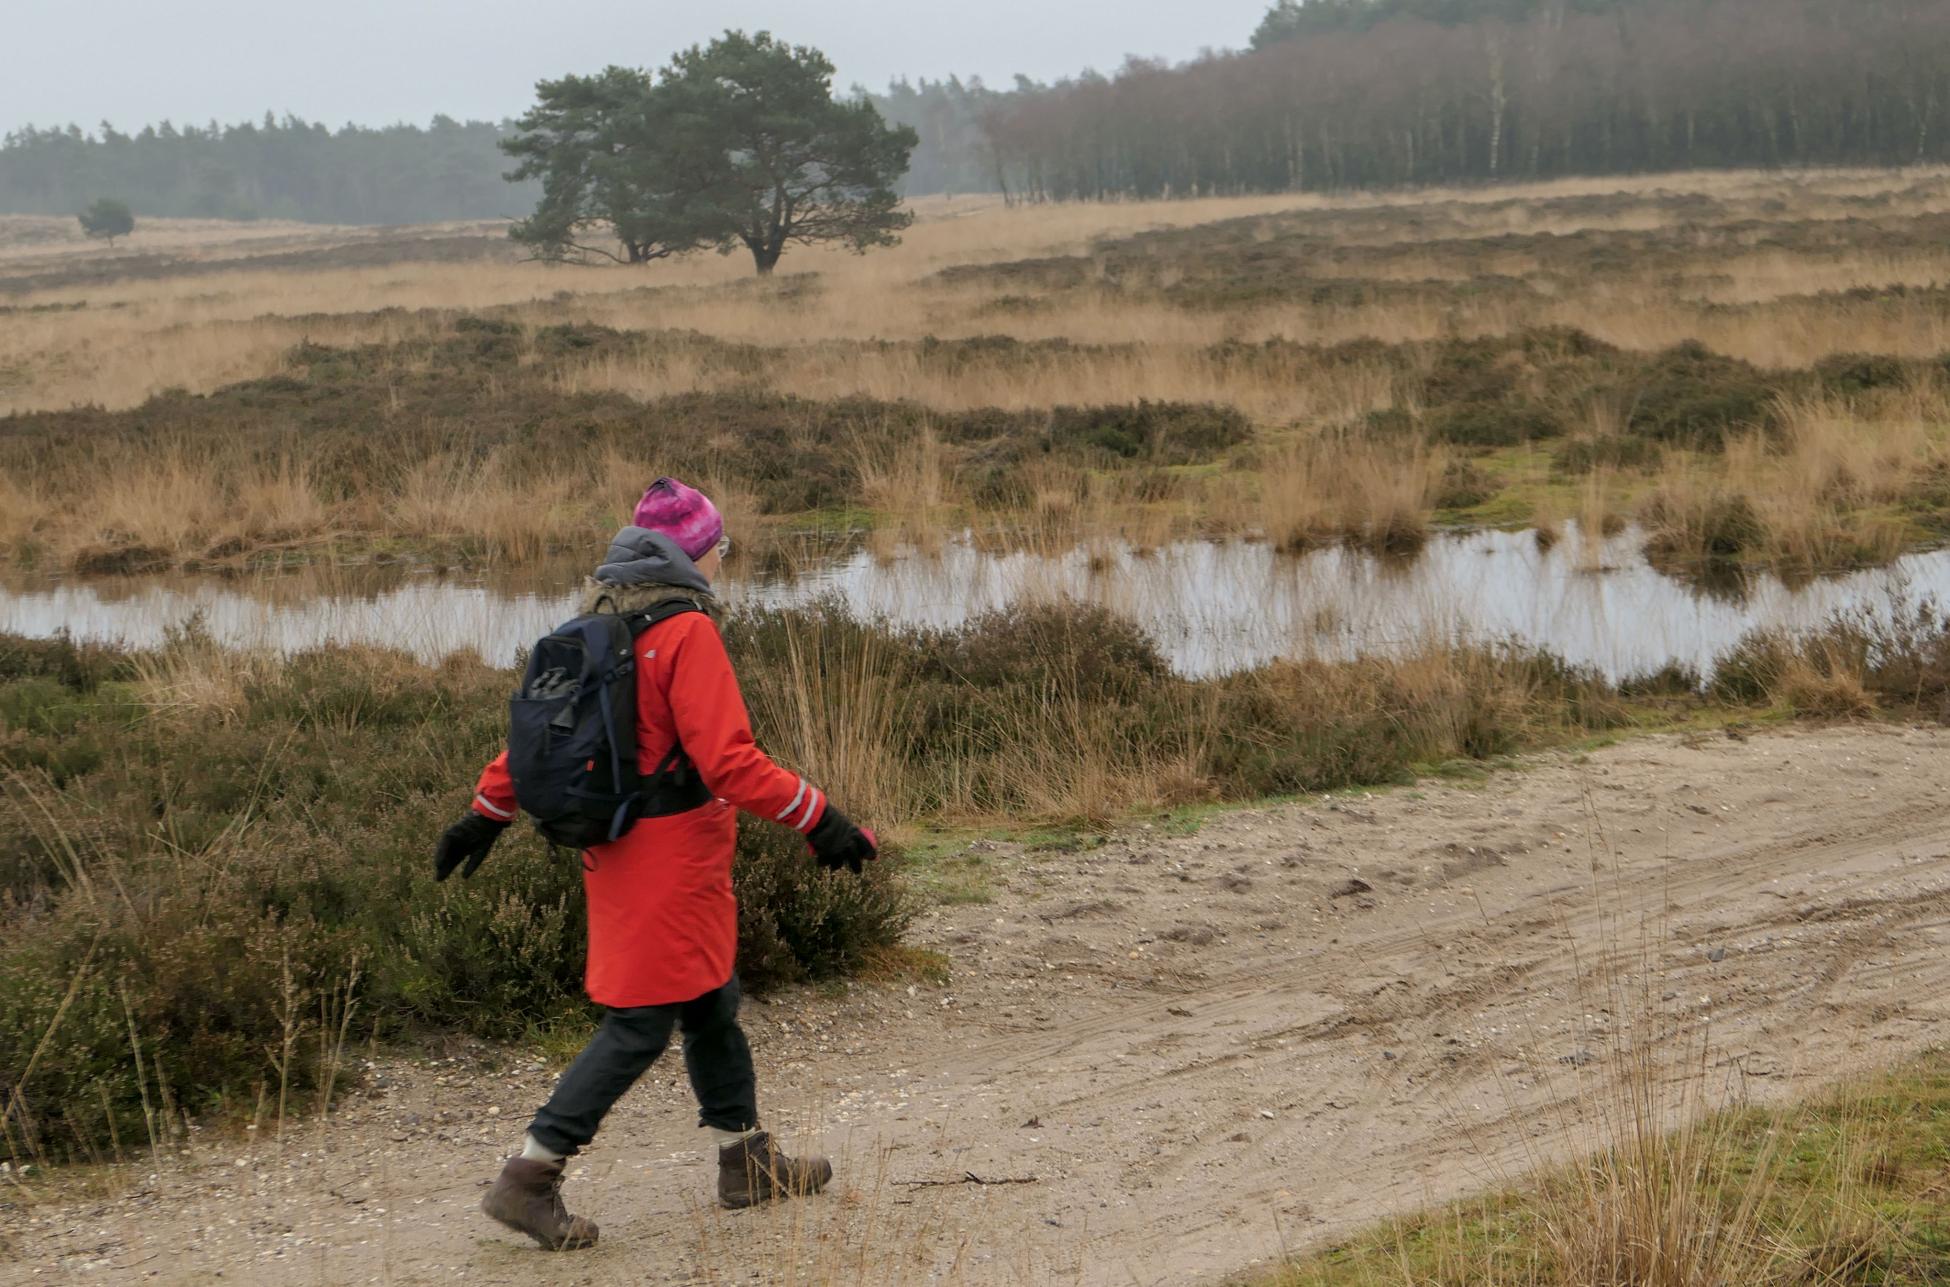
x=466 y=841
x=837 y=843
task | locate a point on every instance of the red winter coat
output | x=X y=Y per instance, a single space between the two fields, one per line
x=663 y=925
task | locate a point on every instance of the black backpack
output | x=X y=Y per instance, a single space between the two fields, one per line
x=572 y=734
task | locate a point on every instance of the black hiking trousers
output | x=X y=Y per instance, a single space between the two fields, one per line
x=716 y=1055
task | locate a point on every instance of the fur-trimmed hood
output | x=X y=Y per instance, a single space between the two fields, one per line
x=643 y=569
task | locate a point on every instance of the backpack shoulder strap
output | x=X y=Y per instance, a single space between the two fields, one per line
x=642 y=621
x=674 y=785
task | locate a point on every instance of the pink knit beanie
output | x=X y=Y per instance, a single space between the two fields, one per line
x=682 y=513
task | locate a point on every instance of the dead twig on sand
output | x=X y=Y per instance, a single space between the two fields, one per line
x=967 y=1177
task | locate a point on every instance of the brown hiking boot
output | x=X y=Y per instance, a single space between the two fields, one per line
x=754 y=1171
x=528 y=1199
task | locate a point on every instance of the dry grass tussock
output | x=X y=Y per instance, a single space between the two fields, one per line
x=832 y=710
x=908 y=486
x=1591 y=514
x=179 y=499
x=1645 y=1207
x=1823 y=491
x=175 y=502
x=1068 y=505
x=1373 y=495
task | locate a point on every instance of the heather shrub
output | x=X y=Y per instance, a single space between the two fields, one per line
x=1700 y=525
x=1494 y=424
x=1170 y=433
x=1861 y=372
x=1692 y=395
x=1061 y=648
x=1622 y=451
x=797 y=922
x=1856 y=663
x=1463 y=486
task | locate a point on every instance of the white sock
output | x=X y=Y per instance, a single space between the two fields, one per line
x=532 y=1149
x=726 y=1139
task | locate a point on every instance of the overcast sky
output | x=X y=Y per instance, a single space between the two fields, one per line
x=133 y=62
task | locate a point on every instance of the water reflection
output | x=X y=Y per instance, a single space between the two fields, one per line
x=1212 y=606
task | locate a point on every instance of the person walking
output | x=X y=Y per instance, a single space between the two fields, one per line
x=663 y=923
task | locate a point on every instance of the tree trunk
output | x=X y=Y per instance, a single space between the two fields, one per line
x=766 y=237
x=1499 y=99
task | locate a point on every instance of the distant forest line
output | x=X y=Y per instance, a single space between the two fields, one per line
x=1331 y=94
x=1498 y=90
x=270 y=169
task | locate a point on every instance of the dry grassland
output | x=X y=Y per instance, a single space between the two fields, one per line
x=1353 y=333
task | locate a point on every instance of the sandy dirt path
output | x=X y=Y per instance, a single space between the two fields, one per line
x=1196 y=1050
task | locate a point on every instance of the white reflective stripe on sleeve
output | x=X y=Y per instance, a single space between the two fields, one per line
x=781 y=815
x=814 y=807
x=488 y=807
